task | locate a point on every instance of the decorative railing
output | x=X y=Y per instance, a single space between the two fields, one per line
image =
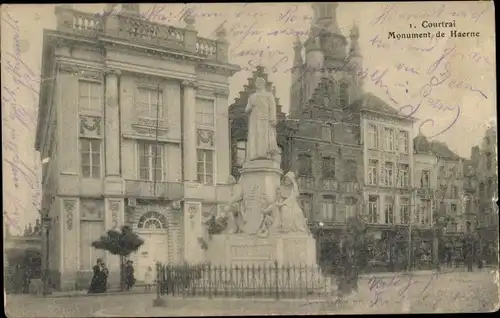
x=206 y=47
x=154 y=33
x=167 y=190
x=305 y=183
x=87 y=23
x=266 y=280
x=329 y=184
x=139 y=29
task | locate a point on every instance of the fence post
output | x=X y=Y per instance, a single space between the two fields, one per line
x=276 y=280
x=159 y=301
x=209 y=280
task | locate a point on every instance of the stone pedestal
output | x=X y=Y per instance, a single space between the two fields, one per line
x=259 y=180
x=295 y=249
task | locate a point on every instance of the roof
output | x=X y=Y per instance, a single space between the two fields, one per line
x=441 y=150
x=372 y=102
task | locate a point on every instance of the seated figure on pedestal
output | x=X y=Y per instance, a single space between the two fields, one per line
x=234 y=208
x=285 y=215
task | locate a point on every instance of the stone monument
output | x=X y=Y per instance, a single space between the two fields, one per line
x=266 y=223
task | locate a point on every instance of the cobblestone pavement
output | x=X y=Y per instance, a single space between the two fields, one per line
x=450 y=292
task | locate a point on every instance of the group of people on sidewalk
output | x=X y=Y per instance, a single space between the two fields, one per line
x=99 y=282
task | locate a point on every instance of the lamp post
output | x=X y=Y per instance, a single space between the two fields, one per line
x=46 y=220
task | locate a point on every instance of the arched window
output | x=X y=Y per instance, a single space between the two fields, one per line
x=152 y=220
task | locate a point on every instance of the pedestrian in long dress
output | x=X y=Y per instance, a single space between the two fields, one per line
x=129 y=275
x=148 y=278
x=99 y=280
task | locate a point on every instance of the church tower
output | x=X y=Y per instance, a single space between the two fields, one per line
x=356 y=63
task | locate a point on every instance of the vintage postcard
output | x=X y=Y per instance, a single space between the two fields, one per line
x=249 y=159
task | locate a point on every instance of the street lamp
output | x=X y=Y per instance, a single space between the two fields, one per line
x=46 y=221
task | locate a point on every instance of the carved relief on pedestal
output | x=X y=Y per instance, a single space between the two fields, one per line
x=69 y=206
x=205 y=138
x=90 y=126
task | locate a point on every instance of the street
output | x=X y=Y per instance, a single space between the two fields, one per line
x=399 y=293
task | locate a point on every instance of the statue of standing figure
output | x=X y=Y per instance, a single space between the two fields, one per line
x=261 y=140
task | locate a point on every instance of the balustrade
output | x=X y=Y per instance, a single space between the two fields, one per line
x=136 y=29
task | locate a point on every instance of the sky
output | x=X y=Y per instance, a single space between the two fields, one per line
x=452 y=79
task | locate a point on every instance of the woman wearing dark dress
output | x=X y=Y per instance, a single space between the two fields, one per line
x=99 y=279
x=129 y=275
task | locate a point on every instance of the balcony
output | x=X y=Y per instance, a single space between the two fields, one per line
x=350 y=187
x=305 y=183
x=329 y=184
x=139 y=30
x=146 y=189
x=425 y=193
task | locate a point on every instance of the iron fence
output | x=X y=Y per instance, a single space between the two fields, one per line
x=266 y=280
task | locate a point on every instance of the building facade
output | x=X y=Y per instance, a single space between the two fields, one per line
x=485 y=159
x=132 y=130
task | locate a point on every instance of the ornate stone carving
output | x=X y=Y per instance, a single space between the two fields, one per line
x=205 y=92
x=114 y=206
x=192 y=211
x=112 y=72
x=69 y=206
x=188 y=83
x=149 y=130
x=224 y=92
x=91 y=209
x=80 y=71
x=205 y=138
x=90 y=126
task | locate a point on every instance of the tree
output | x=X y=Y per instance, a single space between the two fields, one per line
x=119 y=242
x=353 y=257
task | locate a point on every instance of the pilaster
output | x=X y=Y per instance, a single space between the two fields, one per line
x=189 y=131
x=193 y=229
x=114 y=217
x=68 y=132
x=70 y=219
x=112 y=124
x=222 y=140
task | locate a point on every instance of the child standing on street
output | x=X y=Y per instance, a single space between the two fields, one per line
x=148 y=278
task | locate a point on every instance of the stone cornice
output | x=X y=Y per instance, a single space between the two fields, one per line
x=110 y=72
x=189 y=83
x=79 y=69
x=223 y=92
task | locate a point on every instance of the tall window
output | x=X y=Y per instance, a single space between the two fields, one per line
x=89 y=94
x=404 y=175
x=453 y=208
x=488 y=160
x=372 y=137
x=454 y=191
x=149 y=101
x=306 y=204
x=205 y=113
x=328 y=168
x=403 y=141
x=150 y=161
x=372 y=209
x=389 y=176
x=389 y=139
x=328 y=208
x=389 y=210
x=425 y=179
x=350 y=208
x=240 y=153
x=305 y=165
x=344 y=95
x=405 y=210
x=90 y=150
x=426 y=212
x=350 y=170
x=205 y=166
x=89 y=232
x=372 y=172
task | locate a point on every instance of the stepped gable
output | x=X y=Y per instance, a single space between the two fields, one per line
x=236 y=110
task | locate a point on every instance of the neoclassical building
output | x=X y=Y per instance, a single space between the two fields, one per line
x=132 y=129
